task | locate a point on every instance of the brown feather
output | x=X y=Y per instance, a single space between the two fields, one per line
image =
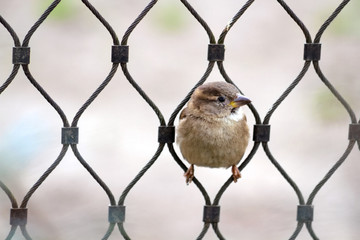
x=208 y=134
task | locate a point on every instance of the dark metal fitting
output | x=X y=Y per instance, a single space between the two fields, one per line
x=261 y=133
x=305 y=213
x=21 y=55
x=166 y=134
x=216 y=52
x=312 y=51
x=116 y=214
x=70 y=135
x=211 y=214
x=120 y=54
x=354 y=131
x=18 y=216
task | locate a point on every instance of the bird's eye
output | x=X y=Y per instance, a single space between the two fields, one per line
x=221 y=99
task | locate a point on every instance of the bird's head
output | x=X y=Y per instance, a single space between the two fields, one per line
x=217 y=99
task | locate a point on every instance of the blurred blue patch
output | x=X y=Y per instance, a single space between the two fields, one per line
x=20 y=143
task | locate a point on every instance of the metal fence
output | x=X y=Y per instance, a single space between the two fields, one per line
x=18 y=212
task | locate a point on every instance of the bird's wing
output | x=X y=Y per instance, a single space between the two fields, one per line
x=183 y=113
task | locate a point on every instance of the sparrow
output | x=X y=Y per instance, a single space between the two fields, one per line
x=213 y=130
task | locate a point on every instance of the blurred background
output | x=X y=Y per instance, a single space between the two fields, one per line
x=70 y=57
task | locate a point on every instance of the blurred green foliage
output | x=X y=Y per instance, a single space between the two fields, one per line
x=327 y=108
x=169 y=16
x=347 y=22
x=64 y=10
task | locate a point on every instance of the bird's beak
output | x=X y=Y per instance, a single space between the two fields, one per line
x=240 y=101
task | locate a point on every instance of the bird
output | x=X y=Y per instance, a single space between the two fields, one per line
x=212 y=130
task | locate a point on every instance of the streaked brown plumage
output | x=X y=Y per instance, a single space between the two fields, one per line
x=213 y=131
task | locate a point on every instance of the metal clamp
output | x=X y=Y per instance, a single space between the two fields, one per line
x=70 y=135
x=18 y=216
x=120 y=54
x=21 y=55
x=211 y=214
x=216 y=52
x=116 y=214
x=354 y=131
x=305 y=213
x=312 y=51
x=261 y=133
x=166 y=134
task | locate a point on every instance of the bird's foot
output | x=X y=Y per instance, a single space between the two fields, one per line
x=189 y=174
x=236 y=173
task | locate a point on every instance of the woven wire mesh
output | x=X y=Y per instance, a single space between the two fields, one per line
x=109 y=117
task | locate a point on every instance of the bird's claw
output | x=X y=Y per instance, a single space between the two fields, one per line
x=189 y=174
x=236 y=173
